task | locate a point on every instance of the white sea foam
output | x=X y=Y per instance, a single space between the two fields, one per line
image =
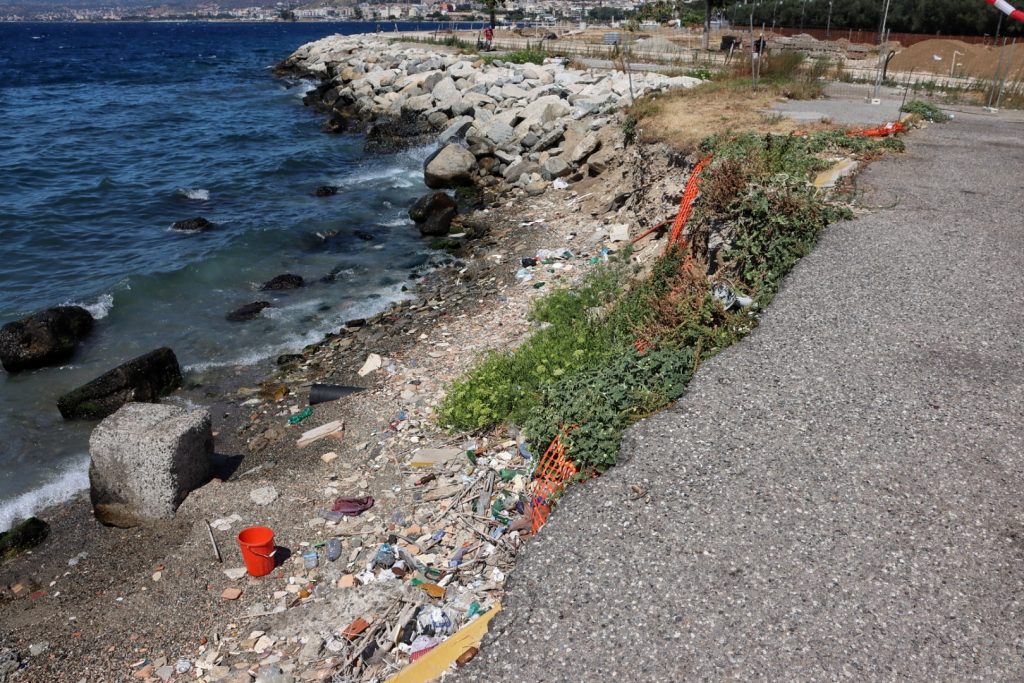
x=68 y=482
x=297 y=342
x=98 y=309
x=294 y=310
x=199 y=194
x=101 y=307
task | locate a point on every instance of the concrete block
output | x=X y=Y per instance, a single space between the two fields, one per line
x=145 y=459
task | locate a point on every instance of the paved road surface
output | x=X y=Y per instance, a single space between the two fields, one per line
x=839 y=496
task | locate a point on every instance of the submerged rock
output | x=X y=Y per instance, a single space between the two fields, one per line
x=286 y=281
x=452 y=166
x=45 y=338
x=197 y=224
x=145 y=378
x=247 y=312
x=326 y=191
x=23 y=536
x=433 y=213
x=144 y=461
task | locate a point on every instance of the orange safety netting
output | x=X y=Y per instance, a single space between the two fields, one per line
x=881 y=131
x=552 y=473
x=689 y=197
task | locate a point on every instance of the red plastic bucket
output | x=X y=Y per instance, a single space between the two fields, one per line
x=257 y=544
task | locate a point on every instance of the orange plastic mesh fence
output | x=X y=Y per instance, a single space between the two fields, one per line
x=881 y=131
x=552 y=473
x=689 y=197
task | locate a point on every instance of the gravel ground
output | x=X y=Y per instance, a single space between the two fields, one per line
x=836 y=497
x=102 y=604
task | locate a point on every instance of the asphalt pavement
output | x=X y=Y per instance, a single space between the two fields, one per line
x=838 y=496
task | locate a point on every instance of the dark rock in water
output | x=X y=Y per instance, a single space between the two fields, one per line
x=145 y=378
x=286 y=281
x=247 y=312
x=391 y=134
x=45 y=338
x=433 y=213
x=23 y=536
x=355 y=322
x=337 y=124
x=326 y=191
x=197 y=224
x=287 y=358
x=363 y=235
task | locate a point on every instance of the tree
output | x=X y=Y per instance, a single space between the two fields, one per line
x=492 y=6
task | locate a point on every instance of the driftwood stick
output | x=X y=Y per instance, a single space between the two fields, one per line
x=216 y=550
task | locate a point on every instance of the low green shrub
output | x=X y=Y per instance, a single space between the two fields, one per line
x=926 y=110
x=605 y=399
x=503 y=386
x=531 y=54
x=615 y=348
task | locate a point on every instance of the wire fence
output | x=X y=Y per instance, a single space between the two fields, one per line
x=900 y=67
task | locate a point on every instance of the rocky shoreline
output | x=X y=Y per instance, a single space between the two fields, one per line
x=553 y=185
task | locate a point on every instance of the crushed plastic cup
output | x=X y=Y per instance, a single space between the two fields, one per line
x=310 y=559
x=333 y=549
x=385 y=557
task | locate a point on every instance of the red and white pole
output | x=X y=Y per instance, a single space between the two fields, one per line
x=1007 y=9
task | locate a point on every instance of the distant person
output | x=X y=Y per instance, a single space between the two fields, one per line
x=488 y=38
x=759 y=45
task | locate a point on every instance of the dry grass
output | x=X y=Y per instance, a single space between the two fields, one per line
x=683 y=118
x=730 y=104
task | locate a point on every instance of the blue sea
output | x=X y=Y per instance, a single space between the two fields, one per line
x=111 y=132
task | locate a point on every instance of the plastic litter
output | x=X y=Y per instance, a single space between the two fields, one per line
x=560 y=184
x=385 y=557
x=352 y=507
x=333 y=549
x=310 y=559
x=300 y=416
x=421 y=646
x=730 y=299
x=320 y=393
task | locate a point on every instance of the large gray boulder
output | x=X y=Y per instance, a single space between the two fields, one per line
x=45 y=338
x=584 y=148
x=519 y=168
x=452 y=166
x=555 y=167
x=145 y=378
x=144 y=461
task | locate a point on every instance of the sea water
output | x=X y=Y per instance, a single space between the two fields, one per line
x=112 y=132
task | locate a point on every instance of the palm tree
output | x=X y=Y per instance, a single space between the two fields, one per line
x=491 y=6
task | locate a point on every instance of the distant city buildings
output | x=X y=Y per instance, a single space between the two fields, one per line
x=330 y=10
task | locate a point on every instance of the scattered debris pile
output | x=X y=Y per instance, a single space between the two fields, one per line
x=369 y=595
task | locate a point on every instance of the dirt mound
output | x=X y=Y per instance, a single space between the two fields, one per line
x=974 y=61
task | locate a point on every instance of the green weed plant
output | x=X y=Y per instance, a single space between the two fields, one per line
x=617 y=347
